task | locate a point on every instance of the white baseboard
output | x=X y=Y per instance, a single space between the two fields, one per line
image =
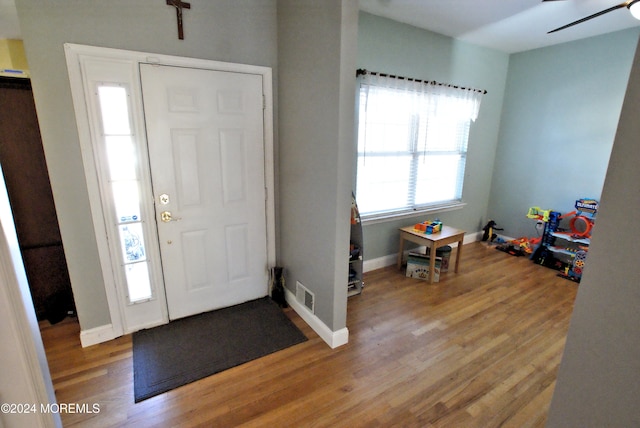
x=332 y=338
x=380 y=262
x=391 y=259
x=472 y=237
x=97 y=335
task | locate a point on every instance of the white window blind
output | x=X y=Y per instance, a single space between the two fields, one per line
x=412 y=144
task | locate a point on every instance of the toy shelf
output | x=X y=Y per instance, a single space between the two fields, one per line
x=355 y=283
x=565 y=250
x=568 y=237
x=560 y=250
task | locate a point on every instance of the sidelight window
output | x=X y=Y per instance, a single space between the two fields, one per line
x=124 y=184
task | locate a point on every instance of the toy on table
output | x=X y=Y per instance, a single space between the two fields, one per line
x=488 y=231
x=428 y=227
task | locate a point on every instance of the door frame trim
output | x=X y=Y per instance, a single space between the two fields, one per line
x=75 y=55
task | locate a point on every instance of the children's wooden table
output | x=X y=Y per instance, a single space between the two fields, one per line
x=433 y=241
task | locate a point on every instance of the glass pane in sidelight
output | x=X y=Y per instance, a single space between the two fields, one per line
x=121 y=156
x=114 y=107
x=126 y=200
x=121 y=176
x=138 y=282
x=132 y=243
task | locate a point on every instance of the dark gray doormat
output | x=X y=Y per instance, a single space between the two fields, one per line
x=189 y=349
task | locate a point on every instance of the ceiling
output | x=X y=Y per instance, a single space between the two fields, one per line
x=506 y=25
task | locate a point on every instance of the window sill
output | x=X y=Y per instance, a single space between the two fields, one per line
x=398 y=215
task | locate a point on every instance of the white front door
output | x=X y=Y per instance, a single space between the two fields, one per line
x=206 y=153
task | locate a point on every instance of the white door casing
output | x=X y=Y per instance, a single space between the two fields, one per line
x=205 y=139
x=88 y=64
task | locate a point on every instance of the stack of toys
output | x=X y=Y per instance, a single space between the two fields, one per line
x=428 y=227
x=570 y=256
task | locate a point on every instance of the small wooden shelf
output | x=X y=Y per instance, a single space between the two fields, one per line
x=355 y=283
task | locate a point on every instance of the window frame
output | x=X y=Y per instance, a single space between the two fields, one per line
x=417 y=155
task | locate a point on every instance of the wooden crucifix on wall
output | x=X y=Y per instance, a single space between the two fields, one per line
x=179 y=5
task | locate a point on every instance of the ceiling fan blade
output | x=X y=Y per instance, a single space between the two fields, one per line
x=595 y=15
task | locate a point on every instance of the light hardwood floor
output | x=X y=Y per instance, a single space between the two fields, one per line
x=481 y=348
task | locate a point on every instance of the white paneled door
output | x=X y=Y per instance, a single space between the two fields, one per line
x=206 y=152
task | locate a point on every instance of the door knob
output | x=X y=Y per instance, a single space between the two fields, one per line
x=166 y=217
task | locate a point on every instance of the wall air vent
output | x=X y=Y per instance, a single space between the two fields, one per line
x=305 y=297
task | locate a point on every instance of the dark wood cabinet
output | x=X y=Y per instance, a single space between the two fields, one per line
x=27 y=180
